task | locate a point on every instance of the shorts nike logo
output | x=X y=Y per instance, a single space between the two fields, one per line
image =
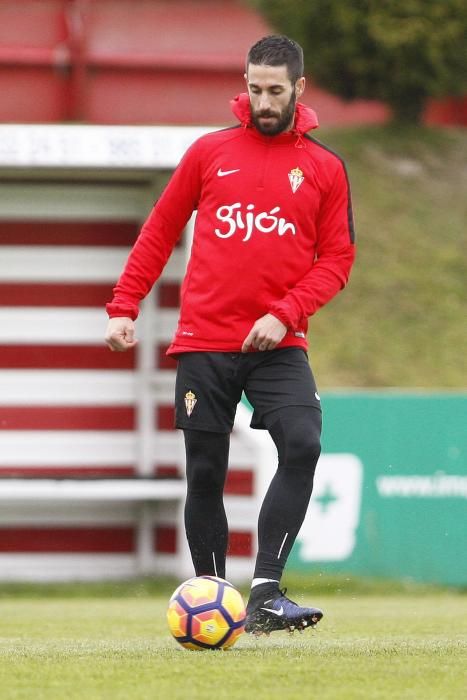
x=279 y=612
x=223 y=173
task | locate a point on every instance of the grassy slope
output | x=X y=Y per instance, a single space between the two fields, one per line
x=402 y=319
x=371 y=644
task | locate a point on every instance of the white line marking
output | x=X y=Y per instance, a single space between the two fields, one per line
x=282 y=545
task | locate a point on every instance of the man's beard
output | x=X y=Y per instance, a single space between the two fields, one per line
x=282 y=120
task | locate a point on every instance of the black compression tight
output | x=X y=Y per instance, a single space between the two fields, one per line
x=207 y=456
x=296 y=434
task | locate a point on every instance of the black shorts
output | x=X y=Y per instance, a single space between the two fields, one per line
x=210 y=384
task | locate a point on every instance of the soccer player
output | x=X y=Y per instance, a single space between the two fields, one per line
x=273 y=242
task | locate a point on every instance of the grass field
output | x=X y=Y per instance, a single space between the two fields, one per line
x=111 y=642
x=401 y=321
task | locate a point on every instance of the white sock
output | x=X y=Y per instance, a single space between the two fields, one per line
x=259 y=581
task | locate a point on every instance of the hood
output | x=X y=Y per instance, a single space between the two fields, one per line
x=305 y=117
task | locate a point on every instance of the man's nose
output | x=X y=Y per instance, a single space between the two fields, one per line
x=264 y=102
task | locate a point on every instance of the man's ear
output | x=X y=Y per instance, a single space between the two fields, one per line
x=300 y=87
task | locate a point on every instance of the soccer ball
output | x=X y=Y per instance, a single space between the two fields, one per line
x=206 y=612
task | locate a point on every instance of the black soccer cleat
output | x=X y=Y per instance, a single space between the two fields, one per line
x=279 y=613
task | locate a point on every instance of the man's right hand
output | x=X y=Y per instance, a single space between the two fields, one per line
x=120 y=334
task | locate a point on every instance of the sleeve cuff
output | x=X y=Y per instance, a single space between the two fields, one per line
x=115 y=310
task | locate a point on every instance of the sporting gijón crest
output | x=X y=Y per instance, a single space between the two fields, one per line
x=295 y=178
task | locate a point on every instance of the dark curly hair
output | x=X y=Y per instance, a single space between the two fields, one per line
x=278 y=50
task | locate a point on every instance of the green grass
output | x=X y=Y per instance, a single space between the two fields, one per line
x=401 y=321
x=80 y=644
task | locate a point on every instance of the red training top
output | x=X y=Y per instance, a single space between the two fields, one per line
x=273 y=234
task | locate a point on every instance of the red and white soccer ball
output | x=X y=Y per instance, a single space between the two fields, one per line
x=206 y=612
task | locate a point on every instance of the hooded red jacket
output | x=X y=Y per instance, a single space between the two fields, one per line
x=273 y=234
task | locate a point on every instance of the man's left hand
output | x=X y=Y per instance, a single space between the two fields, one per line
x=266 y=334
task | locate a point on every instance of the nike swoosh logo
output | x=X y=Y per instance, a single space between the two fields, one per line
x=223 y=173
x=279 y=612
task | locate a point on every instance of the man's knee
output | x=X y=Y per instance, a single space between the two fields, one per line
x=206 y=460
x=302 y=445
x=296 y=432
